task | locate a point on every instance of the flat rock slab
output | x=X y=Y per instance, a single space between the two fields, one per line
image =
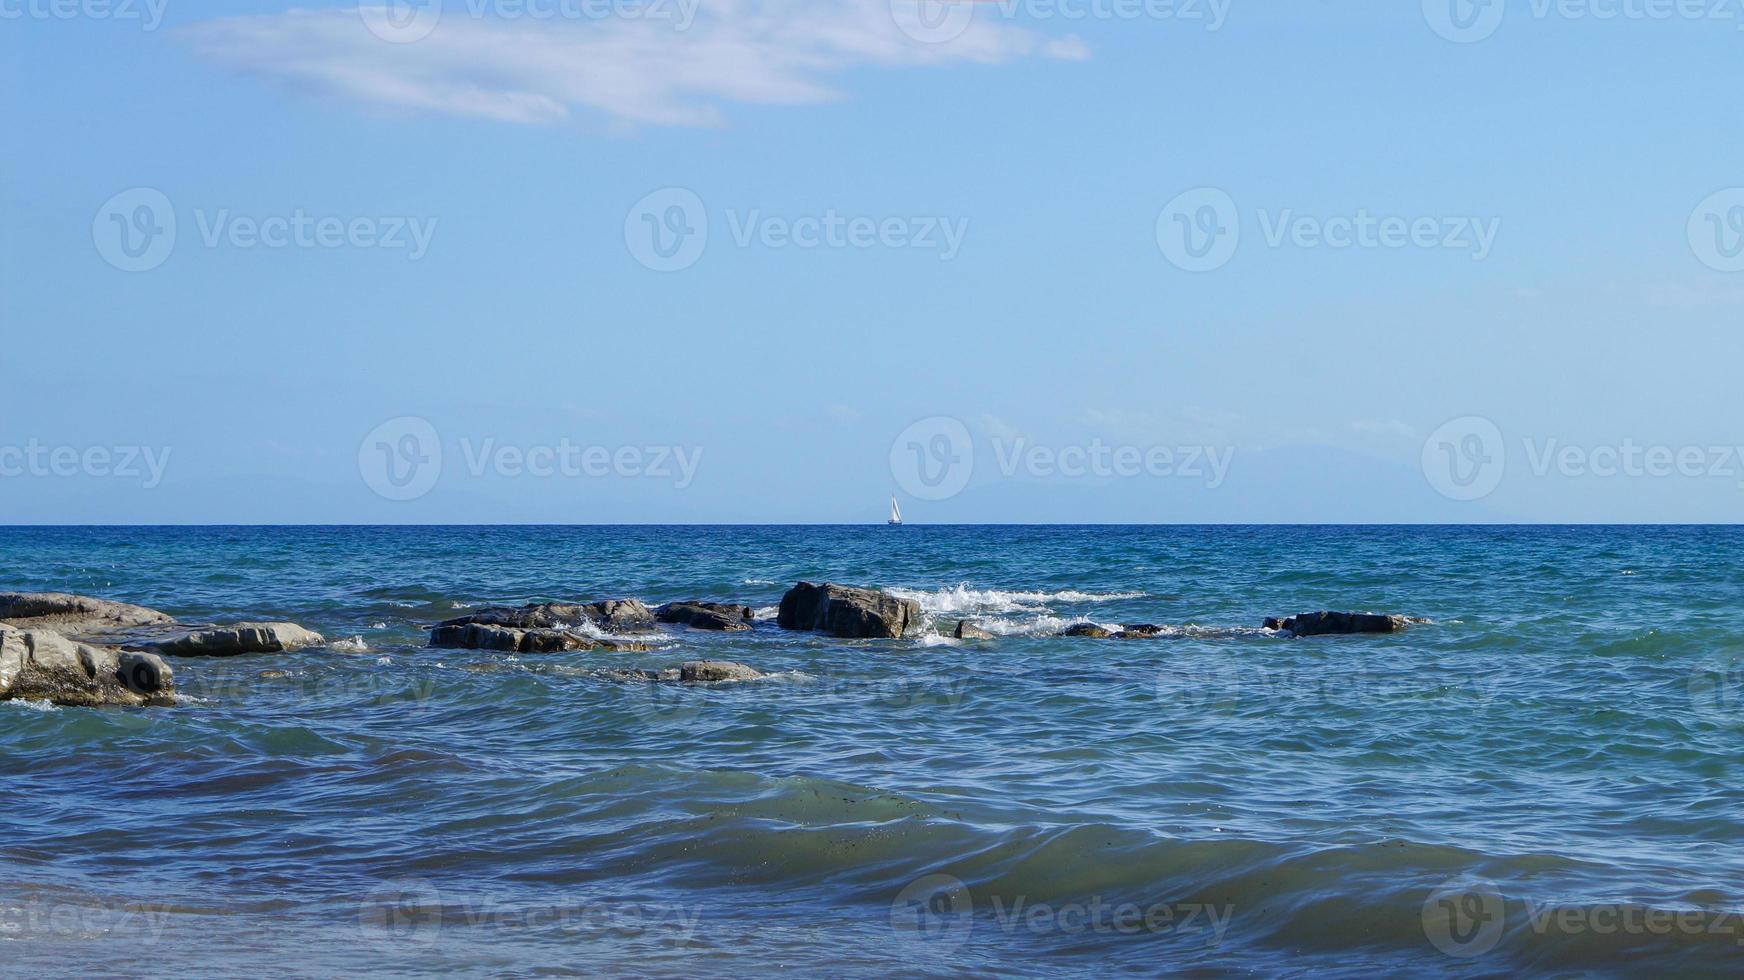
x=509 y=639
x=717 y=616
x=716 y=671
x=1339 y=623
x=234 y=641
x=75 y=615
x=968 y=630
x=613 y=616
x=41 y=665
x=847 y=612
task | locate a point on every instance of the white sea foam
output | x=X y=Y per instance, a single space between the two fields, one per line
x=26 y=704
x=932 y=639
x=756 y=581
x=384 y=661
x=351 y=644
x=961 y=600
x=766 y=612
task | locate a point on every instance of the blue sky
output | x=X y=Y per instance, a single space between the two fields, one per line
x=1601 y=313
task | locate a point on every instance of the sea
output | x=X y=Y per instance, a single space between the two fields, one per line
x=1545 y=777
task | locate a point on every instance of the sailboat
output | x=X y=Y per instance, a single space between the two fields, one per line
x=895 y=514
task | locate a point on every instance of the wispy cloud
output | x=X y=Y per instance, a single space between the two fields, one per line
x=681 y=69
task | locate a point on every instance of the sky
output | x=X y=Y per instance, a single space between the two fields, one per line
x=675 y=261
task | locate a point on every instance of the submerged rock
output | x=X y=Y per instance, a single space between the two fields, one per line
x=714 y=671
x=613 y=616
x=1339 y=623
x=41 y=665
x=232 y=641
x=967 y=630
x=847 y=612
x=1090 y=630
x=717 y=616
x=479 y=636
x=75 y=615
x=1139 y=631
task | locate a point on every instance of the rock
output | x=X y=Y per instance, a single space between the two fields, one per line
x=967 y=630
x=1339 y=623
x=1088 y=629
x=74 y=615
x=706 y=615
x=478 y=636
x=613 y=616
x=847 y=612
x=1139 y=631
x=232 y=641
x=1273 y=623
x=712 y=671
x=41 y=665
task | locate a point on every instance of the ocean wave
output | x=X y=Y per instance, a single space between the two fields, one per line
x=26 y=704
x=963 y=600
x=351 y=644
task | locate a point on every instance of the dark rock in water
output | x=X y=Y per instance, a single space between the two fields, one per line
x=41 y=665
x=967 y=630
x=231 y=641
x=1273 y=623
x=847 y=612
x=74 y=615
x=1087 y=629
x=613 y=616
x=508 y=639
x=1340 y=623
x=706 y=615
x=713 y=671
x=1139 y=631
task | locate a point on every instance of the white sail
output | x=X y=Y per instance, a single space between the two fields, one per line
x=895 y=512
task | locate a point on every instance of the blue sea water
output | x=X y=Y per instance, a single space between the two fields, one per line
x=1544 y=779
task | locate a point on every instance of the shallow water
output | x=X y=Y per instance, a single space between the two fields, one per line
x=1544 y=779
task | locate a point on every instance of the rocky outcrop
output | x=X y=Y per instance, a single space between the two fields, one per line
x=716 y=616
x=715 y=671
x=75 y=615
x=847 y=612
x=509 y=639
x=1339 y=623
x=233 y=641
x=967 y=630
x=1090 y=630
x=41 y=665
x=613 y=616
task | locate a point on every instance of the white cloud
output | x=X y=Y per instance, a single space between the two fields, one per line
x=637 y=70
